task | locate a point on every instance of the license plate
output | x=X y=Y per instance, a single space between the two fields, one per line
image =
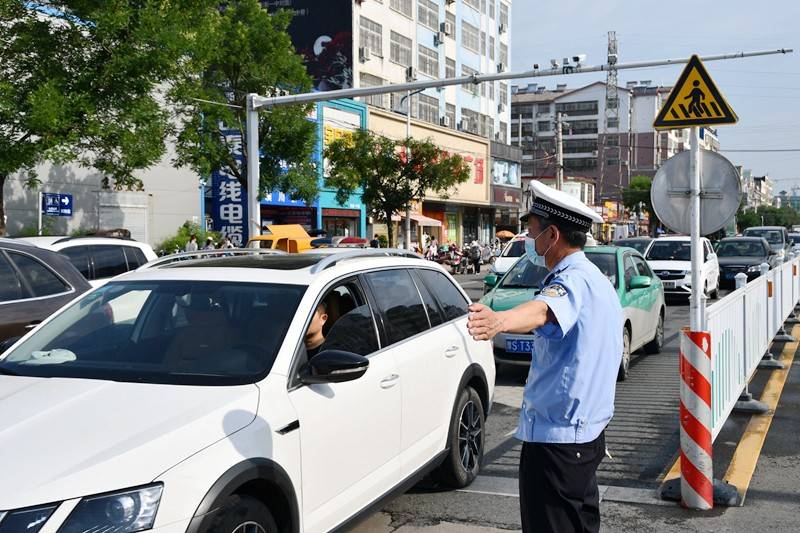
x=669 y=284
x=519 y=345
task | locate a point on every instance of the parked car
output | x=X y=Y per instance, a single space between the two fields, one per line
x=513 y=250
x=777 y=236
x=743 y=255
x=795 y=238
x=671 y=259
x=640 y=293
x=639 y=244
x=98 y=258
x=202 y=411
x=33 y=284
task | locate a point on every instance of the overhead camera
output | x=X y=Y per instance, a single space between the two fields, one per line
x=555 y=63
x=536 y=66
x=580 y=58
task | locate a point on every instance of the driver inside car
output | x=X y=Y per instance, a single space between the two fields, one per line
x=314 y=336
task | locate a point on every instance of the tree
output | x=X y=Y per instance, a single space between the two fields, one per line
x=245 y=49
x=390 y=180
x=638 y=194
x=79 y=80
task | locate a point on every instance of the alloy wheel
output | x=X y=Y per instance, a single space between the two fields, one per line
x=249 y=527
x=470 y=436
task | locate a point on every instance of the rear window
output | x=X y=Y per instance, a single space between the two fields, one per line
x=79 y=257
x=134 y=256
x=42 y=280
x=741 y=249
x=515 y=249
x=10 y=287
x=109 y=261
x=773 y=236
x=607 y=263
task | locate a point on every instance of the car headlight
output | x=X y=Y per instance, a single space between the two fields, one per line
x=754 y=268
x=28 y=520
x=120 y=512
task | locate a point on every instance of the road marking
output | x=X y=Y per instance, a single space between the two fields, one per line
x=743 y=465
x=509 y=487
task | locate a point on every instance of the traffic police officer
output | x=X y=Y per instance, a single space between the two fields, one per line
x=568 y=400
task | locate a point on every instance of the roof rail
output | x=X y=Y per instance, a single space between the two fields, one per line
x=66 y=239
x=206 y=254
x=333 y=259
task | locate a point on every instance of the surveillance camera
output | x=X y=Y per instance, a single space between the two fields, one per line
x=536 y=66
x=612 y=59
x=580 y=58
x=555 y=63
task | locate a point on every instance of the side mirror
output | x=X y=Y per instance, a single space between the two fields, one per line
x=491 y=280
x=640 y=282
x=711 y=257
x=6 y=344
x=334 y=366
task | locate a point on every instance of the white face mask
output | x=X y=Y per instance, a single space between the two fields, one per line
x=533 y=255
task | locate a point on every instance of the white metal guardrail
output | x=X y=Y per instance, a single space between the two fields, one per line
x=742 y=326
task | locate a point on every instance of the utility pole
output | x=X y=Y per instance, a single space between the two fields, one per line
x=559 y=152
x=407 y=226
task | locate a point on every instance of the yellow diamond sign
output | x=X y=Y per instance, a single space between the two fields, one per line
x=694 y=101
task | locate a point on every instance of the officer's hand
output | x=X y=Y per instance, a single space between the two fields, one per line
x=483 y=323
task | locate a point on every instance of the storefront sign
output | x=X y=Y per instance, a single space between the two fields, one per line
x=507 y=196
x=228 y=198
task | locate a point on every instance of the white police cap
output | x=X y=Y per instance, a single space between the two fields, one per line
x=558 y=206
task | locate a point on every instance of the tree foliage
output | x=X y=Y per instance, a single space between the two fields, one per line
x=638 y=194
x=245 y=49
x=390 y=179
x=772 y=216
x=79 y=82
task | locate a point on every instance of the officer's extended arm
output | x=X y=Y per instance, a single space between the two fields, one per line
x=484 y=324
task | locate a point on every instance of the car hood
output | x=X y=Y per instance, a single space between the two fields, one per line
x=658 y=266
x=63 y=438
x=504 y=299
x=742 y=260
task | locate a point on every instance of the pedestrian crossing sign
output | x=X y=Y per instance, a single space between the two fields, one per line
x=694 y=101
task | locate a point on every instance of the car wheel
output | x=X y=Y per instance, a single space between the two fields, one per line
x=463 y=461
x=657 y=344
x=715 y=292
x=243 y=514
x=625 y=364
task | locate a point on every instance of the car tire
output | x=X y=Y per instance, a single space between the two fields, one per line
x=625 y=363
x=715 y=293
x=243 y=514
x=467 y=437
x=657 y=344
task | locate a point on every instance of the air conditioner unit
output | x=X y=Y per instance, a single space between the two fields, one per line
x=464 y=125
x=364 y=54
x=502 y=28
x=594 y=153
x=411 y=74
x=445 y=121
x=501 y=67
x=438 y=38
x=446 y=28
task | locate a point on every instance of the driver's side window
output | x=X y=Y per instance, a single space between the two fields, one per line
x=630 y=271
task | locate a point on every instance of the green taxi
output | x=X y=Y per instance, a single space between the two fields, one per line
x=640 y=294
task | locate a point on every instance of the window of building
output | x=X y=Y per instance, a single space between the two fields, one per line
x=428 y=61
x=543 y=125
x=449 y=68
x=580 y=163
x=399 y=102
x=491 y=47
x=578 y=146
x=368 y=80
x=526 y=110
x=451 y=19
x=504 y=14
x=578 y=108
x=612 y=140
x=471 y=88
x=450 y=113
x=370 y=36
x=504 y=93
x=400 y=49
x=491 y=90
x=428 y=108
x=469 y=120
x=612 y=162
x=613 y=103
x=474 y=4
x=612 y=122
x=491 y=9
x=428 y=14
x=470 y=37
x=402 y=6
x=543 y=109
x=583 y=127
x=503 y=132
x=503 y=57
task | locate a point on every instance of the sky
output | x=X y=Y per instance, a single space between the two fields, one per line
x=763 y=91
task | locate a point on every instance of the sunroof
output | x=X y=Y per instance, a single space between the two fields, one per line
x=271 y=262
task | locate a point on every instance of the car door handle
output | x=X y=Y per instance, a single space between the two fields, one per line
x=451 y=351
x=33 y=324
x=389 y=381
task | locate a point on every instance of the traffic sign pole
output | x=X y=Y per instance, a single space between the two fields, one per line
x=697 y=305
x=41 y=208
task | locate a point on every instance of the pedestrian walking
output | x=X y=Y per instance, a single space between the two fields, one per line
x=568 y=399
x=209 y=244
x=227 y=243
x=191 y=246
x=475 y=256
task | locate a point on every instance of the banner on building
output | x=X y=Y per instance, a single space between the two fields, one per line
x=322 y=32
x=228 y=198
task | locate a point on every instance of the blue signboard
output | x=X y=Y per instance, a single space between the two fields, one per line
x=57 y=205
x=228 y=198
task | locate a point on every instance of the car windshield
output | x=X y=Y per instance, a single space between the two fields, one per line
x=773 y=236
x=670 y=251
x=524 y=275
x=515 y=249
x=607 y=263
x=640 y=245
x=741 y=249
x=179 y=332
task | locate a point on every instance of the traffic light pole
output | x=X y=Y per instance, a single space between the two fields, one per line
x=256 y=103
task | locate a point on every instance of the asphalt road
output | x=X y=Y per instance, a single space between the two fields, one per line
x=642 y=438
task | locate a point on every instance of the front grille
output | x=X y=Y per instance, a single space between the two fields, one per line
x=670 y=274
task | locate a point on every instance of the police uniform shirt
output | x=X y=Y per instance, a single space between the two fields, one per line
x=569 y=394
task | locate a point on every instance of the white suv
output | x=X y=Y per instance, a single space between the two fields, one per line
x=98 y=258
x=671 y=259
x=201 y=410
